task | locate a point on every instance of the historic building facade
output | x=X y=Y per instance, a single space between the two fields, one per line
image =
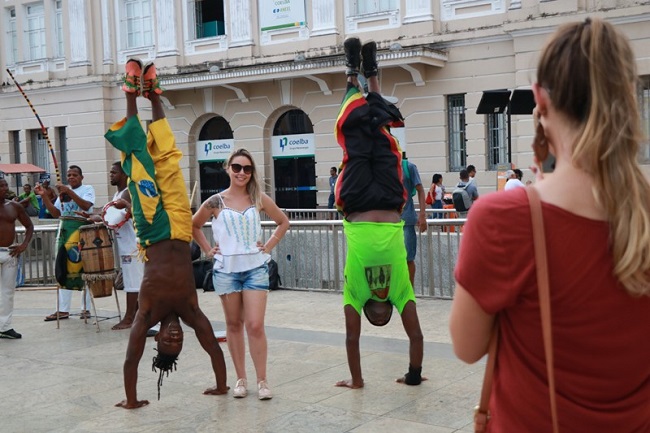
x=267 y=75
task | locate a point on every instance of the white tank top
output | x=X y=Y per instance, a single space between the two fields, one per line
x=237 y=234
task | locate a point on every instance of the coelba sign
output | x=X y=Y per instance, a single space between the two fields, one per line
x=293 y=145
x=211 y=150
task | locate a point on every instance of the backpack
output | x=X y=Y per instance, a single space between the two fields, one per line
x=462 y=200
x=407 y=174
x=274 y=278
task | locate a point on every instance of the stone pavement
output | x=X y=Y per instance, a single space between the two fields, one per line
x=68 y=379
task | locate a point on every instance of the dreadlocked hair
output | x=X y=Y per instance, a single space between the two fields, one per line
x=166 y=363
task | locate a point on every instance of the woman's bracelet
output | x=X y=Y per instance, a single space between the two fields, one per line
x=273 y=235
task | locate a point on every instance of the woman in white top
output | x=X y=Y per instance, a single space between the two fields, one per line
x=240 y=272
x=437 y=193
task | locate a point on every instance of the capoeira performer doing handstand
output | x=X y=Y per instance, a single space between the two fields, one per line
x=370 y=194
x=163 y=222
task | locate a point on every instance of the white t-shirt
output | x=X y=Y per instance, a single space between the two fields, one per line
x=68 y=209
x=513 y=183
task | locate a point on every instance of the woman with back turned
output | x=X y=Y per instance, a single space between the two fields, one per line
x=596 y=213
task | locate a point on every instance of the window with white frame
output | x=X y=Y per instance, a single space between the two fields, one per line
x=207 y=18
x=59 y=47
x=497 y=146
x=12 y=37
x=35 y=31
x=136 y=23
x=363 y=7
x=644 y=102
x=461 y=9
x=456 y=132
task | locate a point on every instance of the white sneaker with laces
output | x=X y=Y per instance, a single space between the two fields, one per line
x=264 y=393
x=240 y=390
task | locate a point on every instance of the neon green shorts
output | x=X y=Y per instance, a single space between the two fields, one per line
x=375 y=265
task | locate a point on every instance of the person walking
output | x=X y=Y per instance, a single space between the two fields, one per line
x=412 y=183
x=597 y=251
x=437 y=193
x=332 y=181
x=465 y=194
x=240 y=272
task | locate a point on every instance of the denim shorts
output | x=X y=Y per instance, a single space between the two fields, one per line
x=234 y=282
x=410 y=242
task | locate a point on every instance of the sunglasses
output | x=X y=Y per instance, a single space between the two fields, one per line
x=236 y=168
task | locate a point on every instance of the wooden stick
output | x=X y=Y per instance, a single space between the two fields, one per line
x=196 y=182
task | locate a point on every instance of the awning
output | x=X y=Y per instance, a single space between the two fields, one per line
x=20 y=168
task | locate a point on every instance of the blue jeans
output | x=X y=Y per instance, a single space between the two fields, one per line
x=437 y=205
x=410 y=242
x=234 y=282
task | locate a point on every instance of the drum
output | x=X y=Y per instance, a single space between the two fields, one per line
x=101 y=288
x=113 y=217
x=98 y=259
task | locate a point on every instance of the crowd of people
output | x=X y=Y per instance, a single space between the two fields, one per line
x=598 y=244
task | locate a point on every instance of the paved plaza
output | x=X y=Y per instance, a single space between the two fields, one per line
x=68 y=379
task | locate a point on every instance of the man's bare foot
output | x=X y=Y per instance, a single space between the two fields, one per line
x=123 y=324
x=215 y=390
x=403 y=379
x=126 y=405
x=349 y=384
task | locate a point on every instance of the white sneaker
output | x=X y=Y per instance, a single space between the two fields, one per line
x=264 y=393
x=240 y=390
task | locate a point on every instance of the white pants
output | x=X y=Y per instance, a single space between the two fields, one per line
x=8 y=271
x=132 y=273
x=65 y=300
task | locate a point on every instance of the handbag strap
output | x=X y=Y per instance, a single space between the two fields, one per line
x=539 y=241
x=481 y=416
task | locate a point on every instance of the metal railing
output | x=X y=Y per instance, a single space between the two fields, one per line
x=311 y=255
x=333 y=214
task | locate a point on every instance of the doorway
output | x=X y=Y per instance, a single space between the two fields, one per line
x=213 y=148
x=294 y=163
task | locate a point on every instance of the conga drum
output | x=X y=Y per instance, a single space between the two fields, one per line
x=98 y=259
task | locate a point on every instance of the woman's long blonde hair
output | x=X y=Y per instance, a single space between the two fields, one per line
x=590 y=73
x=253 y=187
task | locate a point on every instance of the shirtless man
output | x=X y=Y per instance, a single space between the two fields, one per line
x=370 y=193
x=163 y=221
x=10 y=211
